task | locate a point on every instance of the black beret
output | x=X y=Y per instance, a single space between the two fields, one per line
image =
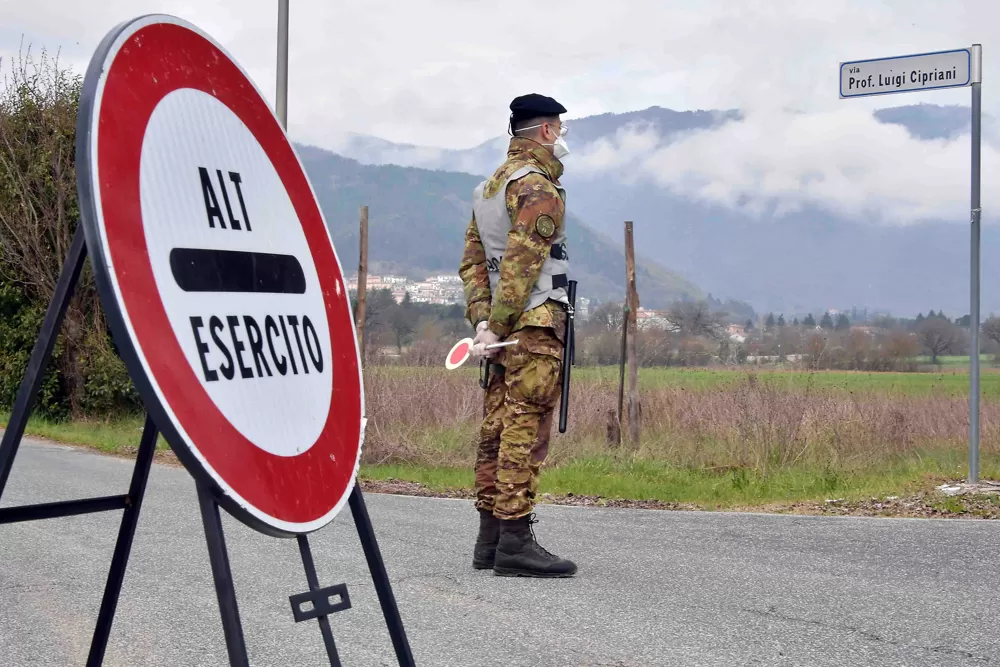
x=534 y=105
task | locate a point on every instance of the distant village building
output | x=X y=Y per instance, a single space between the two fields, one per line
x=439 y=289
x=448 y=290
x=656 y=319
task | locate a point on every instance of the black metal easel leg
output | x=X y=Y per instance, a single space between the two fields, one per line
x=223 y=575
x=320 y=599
x=381 y=578
x=41 y=354
x=126 y=533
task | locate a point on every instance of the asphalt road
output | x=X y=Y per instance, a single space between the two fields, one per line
x=654 y=588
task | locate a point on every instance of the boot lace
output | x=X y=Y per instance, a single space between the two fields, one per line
x=532 y=520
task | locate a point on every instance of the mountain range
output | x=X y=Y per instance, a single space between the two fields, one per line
x=417 y=220
x=809 y=260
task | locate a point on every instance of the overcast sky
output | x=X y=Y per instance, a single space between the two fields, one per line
x=442 y=72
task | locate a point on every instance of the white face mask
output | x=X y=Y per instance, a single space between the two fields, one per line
x=559 y=149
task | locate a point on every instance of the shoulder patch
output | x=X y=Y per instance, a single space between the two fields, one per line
x=545 y=226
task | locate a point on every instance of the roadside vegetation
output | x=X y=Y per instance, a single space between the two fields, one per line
x=734 y=413
x=715 y=439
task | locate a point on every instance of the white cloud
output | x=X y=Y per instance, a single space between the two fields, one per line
x=774 y=162
x=441 y=73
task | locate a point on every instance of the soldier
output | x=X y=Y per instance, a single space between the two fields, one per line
x=514 y=271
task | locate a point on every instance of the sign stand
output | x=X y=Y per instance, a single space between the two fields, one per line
x=314 y=477
x=131 y=503
x=932 y=71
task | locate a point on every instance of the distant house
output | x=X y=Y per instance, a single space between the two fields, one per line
x=736 y=330
x=652 y=319
x=441 y=289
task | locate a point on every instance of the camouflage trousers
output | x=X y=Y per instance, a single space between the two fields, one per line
x=525 y=384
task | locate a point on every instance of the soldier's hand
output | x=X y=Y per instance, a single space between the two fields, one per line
x=483 y=338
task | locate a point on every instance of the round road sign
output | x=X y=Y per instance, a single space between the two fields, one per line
x=219 y=276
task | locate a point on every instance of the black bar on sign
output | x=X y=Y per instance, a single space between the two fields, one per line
x=210 y=270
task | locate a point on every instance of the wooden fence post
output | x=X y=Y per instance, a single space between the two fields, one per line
x=615 y=420
x=632 y=324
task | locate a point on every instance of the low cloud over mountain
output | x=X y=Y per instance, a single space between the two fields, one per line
x=791 y=211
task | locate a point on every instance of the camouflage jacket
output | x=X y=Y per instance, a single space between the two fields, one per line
x=528 y=199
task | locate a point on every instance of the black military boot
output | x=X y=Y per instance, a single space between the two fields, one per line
x=486 y=542
x=519 y=554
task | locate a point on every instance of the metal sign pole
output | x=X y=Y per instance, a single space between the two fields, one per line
x=955 y=68
x=281 y=99
x=977 y=78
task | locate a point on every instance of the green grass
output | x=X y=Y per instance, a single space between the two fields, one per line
x=112 y=436
x=588 y=471
x=957 y=361
x=618 y=476
x=624 y=478
x=947 y=383
x=952 y=381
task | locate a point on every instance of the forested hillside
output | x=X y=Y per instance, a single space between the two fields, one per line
x=417 y=219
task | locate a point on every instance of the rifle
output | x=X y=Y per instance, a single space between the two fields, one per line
x=484 y=380
x=569 y=354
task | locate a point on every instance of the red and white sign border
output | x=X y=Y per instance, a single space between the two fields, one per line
x=112 y=298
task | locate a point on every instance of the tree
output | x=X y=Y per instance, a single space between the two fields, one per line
x=695 y=318
x=843 y=324
x=403 y=322
x=608 y=316
x=965 y=321
x=991 y=329
x=769 y=323
x=38 y=218
x=809 y=321
x=795 y=322
x=748 y=327
x=885 y=322
x=781 y=320
x=937 y=336
x=827 y=321
x=379 y=307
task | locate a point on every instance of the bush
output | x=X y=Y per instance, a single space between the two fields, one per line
x=108 y=389
x=38 y=218
x=20 y=322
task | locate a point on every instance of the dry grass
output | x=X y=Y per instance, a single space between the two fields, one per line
x=758 y=423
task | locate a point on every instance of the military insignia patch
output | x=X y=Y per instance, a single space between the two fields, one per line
x=545 y=226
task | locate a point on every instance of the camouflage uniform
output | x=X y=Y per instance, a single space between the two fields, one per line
x=525 y=381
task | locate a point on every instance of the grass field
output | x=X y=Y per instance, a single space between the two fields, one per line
x=957 y=361
x=951 y=382
x=717 y=438
x=636 y=479
x=113 y=436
